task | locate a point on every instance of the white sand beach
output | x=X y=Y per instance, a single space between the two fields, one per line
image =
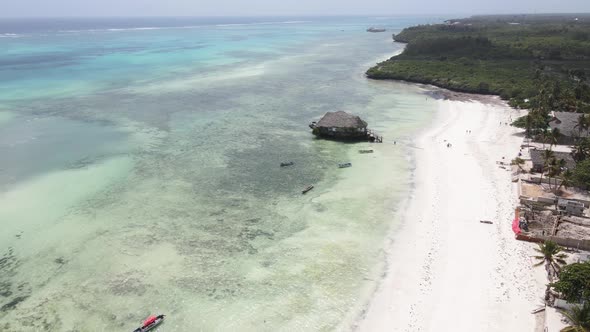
x=446 y=270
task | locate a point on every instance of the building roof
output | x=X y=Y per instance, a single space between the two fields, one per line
x=566 y=123
x=537 y=158
x=341 y=119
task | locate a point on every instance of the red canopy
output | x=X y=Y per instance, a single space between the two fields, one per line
x=515 y=222
x=149 y=320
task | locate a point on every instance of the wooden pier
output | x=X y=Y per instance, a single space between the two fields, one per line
x=374 y=137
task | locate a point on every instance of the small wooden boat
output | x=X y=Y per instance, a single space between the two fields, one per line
x=366 y=151
x=150 y=322
x=308 y=188
x=486 y=222
x=288 y=163
x=344 y=165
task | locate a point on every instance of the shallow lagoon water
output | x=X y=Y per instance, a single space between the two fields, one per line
x=154 y=186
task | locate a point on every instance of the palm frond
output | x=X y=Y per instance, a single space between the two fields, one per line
x=560 y=261
x=571 y=329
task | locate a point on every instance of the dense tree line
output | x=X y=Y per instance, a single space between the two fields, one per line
x=510 y=56
x=537 y=62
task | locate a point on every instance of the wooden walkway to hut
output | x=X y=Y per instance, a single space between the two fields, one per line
x=374 y=137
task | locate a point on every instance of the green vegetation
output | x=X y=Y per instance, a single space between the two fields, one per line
x=538 y=62
x=574 y=287
x=551 y=255
x=574 y=282
x=508 y=78
x=518 y=162
x=579 y=318
x=581 y=174
x=581 y=150
x=510 y=56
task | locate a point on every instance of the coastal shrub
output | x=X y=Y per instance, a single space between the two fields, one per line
x=483 y=87
x=580 y=35
x=581 y=150
x=515 y=92
x=574 y=282
x=578 y=317
x=581 y=174
x=513 y=60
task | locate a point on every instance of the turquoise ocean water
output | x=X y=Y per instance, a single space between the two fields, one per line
x=139 y=171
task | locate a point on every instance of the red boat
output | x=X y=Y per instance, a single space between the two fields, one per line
x=149 y=323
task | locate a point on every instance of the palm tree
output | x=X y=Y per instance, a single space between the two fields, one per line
x=528 y=120
x=553 y=170
x=558 y=166
x=554 y=137
x=581 y=150
x=561 y=167
x=583 y=123
x=551 y=256
x=545 y=136
x=579 y=317
x=547 y=156
x=566 y=179
x=518 y=162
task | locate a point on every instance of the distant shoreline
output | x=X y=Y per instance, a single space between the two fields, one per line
x=435 y=82
x=507 y=55
x=440 y=251
x=440 y=258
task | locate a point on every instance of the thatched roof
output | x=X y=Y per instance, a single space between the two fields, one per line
x=566 y=122
x=341 y=119
x=537 y=158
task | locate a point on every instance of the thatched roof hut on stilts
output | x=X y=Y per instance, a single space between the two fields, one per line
x=344 y=126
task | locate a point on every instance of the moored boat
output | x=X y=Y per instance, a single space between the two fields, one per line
x=366 y=151
x=150 y=322
x=373 y=29
x=344 y=165
x=308 y=188
x=287 y=163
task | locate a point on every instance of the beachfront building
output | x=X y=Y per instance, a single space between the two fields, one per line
x=567 y=123
x=340 y=125
x=539 y=161
x=571 y=207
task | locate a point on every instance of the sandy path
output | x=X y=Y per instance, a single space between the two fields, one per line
x=446 y=270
